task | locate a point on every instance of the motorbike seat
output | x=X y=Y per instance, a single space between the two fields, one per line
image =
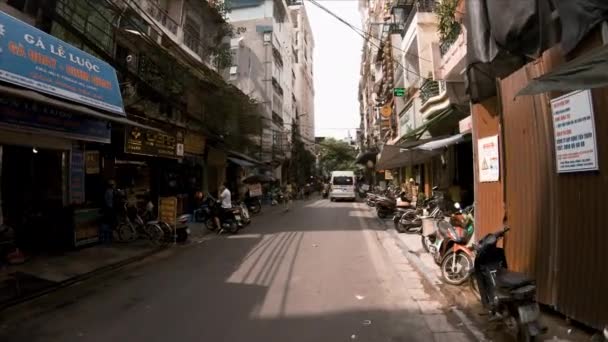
x=509 y=279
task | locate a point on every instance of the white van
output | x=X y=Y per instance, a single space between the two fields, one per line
x=342 y=185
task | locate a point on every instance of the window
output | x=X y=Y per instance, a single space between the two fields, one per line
x=343 y=180
x=233 y=73
x=192 y=34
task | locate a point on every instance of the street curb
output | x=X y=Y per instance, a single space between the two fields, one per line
x=100 y=271
x=81 y=277
x=434 y=282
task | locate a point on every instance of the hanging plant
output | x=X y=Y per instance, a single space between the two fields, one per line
x=449 y=27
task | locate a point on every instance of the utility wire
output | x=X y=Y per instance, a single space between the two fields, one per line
x=365 y=37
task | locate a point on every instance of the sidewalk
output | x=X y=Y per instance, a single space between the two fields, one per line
x=463 y=298
x=44 y=272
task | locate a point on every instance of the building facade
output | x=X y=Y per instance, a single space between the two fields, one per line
x=407 y=99
x=302 y=57
x=272 y=62
x=121 y=90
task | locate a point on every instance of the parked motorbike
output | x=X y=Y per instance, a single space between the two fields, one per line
x=456 y=257
x=9 y=252
x=386 y=206
x=509 y=296
x=253 y=204
x=241 y=213
x=182 y=231
x=409 y=220
x=203 y=213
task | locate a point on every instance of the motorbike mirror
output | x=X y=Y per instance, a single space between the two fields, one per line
x=457 y=205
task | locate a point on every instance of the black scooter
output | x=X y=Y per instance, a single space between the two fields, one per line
x=509 y=296
x=206 y=215
x=254 y=204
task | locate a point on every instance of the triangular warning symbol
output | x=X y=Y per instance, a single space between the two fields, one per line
x=484 y=164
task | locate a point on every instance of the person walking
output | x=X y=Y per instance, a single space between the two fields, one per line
x=288 y=195
x=109 y=213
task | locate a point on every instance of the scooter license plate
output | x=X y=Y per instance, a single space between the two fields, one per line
x=188 y=230
x=528 y=313
x=238 y=217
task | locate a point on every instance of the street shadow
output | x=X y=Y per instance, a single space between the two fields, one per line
x=255 y=286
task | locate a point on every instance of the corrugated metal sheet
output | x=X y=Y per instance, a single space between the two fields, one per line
x=582 y=276
x=489 y=210
x=558 y=220
x=528 y=165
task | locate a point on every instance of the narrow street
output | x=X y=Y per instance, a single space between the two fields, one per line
x=321 y=272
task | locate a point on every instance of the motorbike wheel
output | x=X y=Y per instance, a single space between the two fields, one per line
x=256 y=208
x=455 y=268
x=523 y=334
x=199 y=216
x=414 y=224
x=210 y=225
x=154 y=232
x=382 y=214
x=234 y=228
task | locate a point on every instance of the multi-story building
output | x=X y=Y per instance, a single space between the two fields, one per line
x=302 y=78
x=272 y=62
x=112 y=90
x=410 y=88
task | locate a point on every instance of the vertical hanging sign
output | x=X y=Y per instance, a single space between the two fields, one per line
x=574 y=132
x=77 y=174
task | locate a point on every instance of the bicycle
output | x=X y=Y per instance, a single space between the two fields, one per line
x=133 y=226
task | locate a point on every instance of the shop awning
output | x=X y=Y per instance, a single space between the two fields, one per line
x=587 y=71
x=240 y=162
x=441 y=143
x=363 y=157
x=243 y=158
x=74 y=108
x=393 y=156
x=415 y=152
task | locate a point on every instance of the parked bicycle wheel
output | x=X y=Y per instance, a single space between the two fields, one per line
x=124 y=232
x=154 y=232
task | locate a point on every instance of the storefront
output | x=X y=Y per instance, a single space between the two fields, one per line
x=57 y=104
x=149 y=163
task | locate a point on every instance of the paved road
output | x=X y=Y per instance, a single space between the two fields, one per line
x=320 y=272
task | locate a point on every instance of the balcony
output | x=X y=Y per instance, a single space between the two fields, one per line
x=161 y=16
x=449 y=57
x=429 y=89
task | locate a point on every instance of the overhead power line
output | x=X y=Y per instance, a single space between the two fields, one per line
x=365 y=37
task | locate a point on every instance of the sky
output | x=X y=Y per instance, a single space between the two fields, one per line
x=337 y=58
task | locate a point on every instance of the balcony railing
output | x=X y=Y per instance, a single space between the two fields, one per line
x=428 y=89
x=446 y=44
x=420 y=6
x=192 y=41
x=160 y=15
